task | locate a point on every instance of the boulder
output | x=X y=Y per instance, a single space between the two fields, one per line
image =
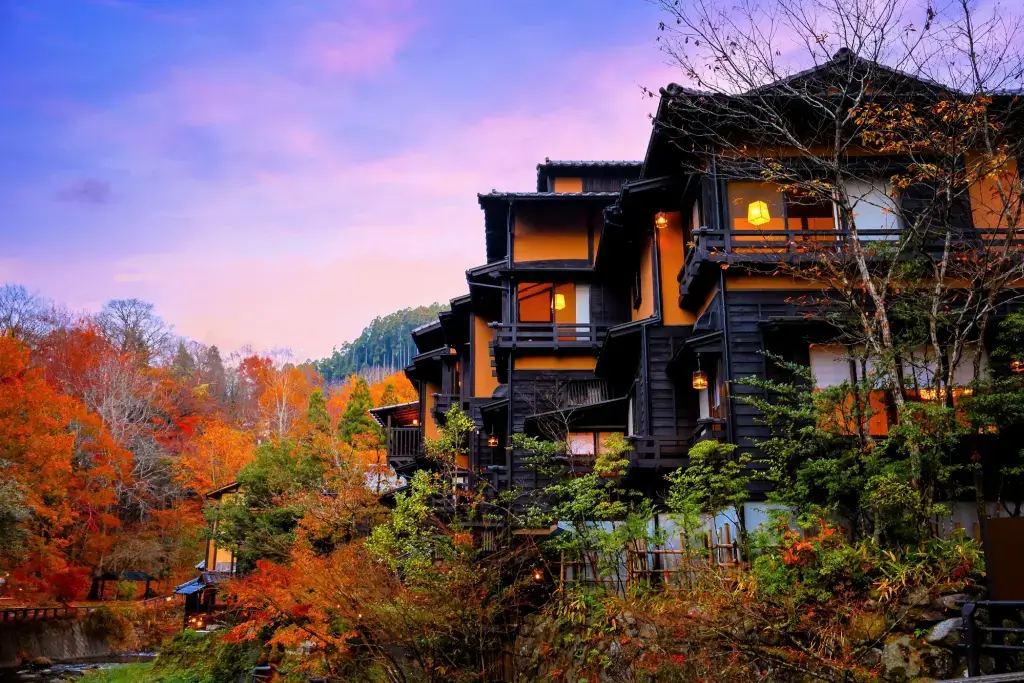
x=905 y=658
x=918 y=597
x=872 y=658
x=945 y=633
x=868 y=626
x=948 y=603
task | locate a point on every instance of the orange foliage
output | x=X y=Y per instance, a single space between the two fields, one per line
x=215 y=456
x=66 y=467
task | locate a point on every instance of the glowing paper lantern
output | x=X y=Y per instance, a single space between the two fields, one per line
x=757 y=213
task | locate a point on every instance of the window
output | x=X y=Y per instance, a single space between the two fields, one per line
x=602 y=184
x=581 y=443
x=874 y=210
x=830 y=364
x=809 y=214
x=755 y=206
x=695 y=221
x=545 y=302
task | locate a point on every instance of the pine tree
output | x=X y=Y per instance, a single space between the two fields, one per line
x=184 y=365
x=389 y=397
x=316 y=414
x=356 y=424
x=213 y=373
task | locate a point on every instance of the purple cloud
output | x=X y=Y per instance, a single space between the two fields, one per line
x=85 y=191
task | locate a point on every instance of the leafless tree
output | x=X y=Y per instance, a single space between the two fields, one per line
x=133 y=327
x=22 y=313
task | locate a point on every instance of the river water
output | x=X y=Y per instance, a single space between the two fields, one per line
x=68 y=671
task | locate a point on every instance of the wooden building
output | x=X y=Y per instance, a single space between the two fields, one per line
x=606 y=288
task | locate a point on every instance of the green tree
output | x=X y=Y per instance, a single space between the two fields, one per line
x=389 y=397
x=356 y=427
x=715 y=481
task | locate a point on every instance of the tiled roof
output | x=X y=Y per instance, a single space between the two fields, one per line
x=494 y=194
x=548 y=163
x=425 y=326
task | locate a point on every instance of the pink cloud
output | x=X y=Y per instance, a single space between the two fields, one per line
x=357 y=46
x=303 y=253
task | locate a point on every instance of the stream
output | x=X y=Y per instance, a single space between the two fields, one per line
x=69 y=671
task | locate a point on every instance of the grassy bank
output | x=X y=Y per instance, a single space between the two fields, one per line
x=127 y=673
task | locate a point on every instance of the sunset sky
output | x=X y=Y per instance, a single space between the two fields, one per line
x=279 y=172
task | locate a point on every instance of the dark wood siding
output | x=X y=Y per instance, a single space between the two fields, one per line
x=532 y=392
x=609 y=303
x=672 y=402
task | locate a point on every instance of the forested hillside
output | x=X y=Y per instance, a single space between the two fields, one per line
x=383 y=348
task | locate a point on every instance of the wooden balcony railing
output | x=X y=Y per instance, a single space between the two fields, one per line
x=792 y=245
x=660 y=451
x=709 y=428
x=443 y=403
x=404 y=443
x=548 y=335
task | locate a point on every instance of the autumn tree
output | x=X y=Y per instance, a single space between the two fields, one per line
x=61 y=468
x=215 y=456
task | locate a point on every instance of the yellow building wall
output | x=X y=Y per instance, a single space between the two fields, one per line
x=646 y=309
x=556 y=363
x=987 y=207
x=671 y=257
x=484 y=381
x=551 y=233
x=429 y=423
x=568 y=184
x=768 y=282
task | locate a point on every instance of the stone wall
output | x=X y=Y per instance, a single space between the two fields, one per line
x=60 y=639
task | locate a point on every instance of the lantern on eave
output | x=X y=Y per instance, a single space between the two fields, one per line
x=559 y=302
x=700 y=380
x=1017 y=366
x=492 y=441
x=661 y=220
x=757 y=213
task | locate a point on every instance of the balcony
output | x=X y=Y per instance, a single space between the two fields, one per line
x=709 y=429
x=548 y=336
x=796 y=246
x=404 y=445
x=660 y=452
x=443 y=403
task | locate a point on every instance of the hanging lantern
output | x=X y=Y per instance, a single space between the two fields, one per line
x=559 y=301
x=757 y=213
x=1017 y=366
x=538 y=575
x=492 y=441
x=660 y=220
x=415 y=422
x=700 y=380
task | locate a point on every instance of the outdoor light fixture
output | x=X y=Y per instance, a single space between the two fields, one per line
x=492 y=441
x=538 y=575
x=415 y=422
x=559 y=301
x=700 y=378
x=1017 y=366
x=661 y=220
x=757 y=213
